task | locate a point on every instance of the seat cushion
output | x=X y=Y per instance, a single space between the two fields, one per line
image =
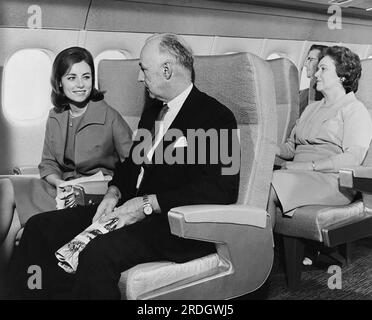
x=308 y=221
x=146 y=277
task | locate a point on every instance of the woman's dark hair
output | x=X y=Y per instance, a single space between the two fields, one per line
x=348 y=66
x=61 y=65
x=321 y=49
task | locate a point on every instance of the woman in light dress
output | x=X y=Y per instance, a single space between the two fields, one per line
x=331 y=134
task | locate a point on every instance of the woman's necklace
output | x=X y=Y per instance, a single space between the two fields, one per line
x=70 y=118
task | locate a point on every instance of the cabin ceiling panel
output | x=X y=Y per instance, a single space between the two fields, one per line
x=360 y=4
x=350 y=33
x=150 y=17
x=353 y=8
x=56 y=14
x=132 y=43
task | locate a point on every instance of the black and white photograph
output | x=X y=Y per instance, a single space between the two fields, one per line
x=200 y=154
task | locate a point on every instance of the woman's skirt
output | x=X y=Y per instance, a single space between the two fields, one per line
x=32 y=196
x=296 y=188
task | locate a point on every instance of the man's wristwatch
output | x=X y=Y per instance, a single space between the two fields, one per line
x=147 y=208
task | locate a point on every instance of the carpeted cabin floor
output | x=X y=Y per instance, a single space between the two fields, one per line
x=356 y=278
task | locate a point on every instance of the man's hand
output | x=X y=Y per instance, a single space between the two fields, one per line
x=130 y=212
x=106 y=206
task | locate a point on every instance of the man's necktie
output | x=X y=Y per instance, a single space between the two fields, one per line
x=155 y=129
x=159 y=118
x=150 y=143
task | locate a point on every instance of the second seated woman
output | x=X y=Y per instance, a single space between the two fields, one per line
x=331 y=134
x=83 y=136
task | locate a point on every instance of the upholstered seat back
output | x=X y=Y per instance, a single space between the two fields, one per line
x=243 y=82
x=364 y=94
x=123 y=92
x=287 y=97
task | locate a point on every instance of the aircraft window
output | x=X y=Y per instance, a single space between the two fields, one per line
x=110 y=55
x=26 y=85
x=274 y=56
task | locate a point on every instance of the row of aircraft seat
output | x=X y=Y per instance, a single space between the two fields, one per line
x=263 y=95
x=332 y=226
x=242 y=232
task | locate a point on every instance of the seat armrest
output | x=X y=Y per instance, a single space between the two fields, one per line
x=26 y=170
x=236 y=214
x=358 y=178
x=243 y=238
x=199 y=221
x=362 y=172
x=348 y=231
x=244 y=246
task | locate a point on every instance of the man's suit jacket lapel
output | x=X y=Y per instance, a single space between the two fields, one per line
x=186 y=118
x=189 y=112
x=151 y=115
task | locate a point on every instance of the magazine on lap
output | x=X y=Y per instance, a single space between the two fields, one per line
x=95 y=184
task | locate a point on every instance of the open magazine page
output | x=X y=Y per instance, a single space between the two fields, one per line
x=68 y=255
x=65 y=192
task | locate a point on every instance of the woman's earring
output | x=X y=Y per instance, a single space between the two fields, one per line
x=342 y=79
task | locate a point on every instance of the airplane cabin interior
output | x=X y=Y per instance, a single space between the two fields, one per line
x=250 y=56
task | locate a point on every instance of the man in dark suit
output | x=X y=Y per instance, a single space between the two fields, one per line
x=144 y=187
